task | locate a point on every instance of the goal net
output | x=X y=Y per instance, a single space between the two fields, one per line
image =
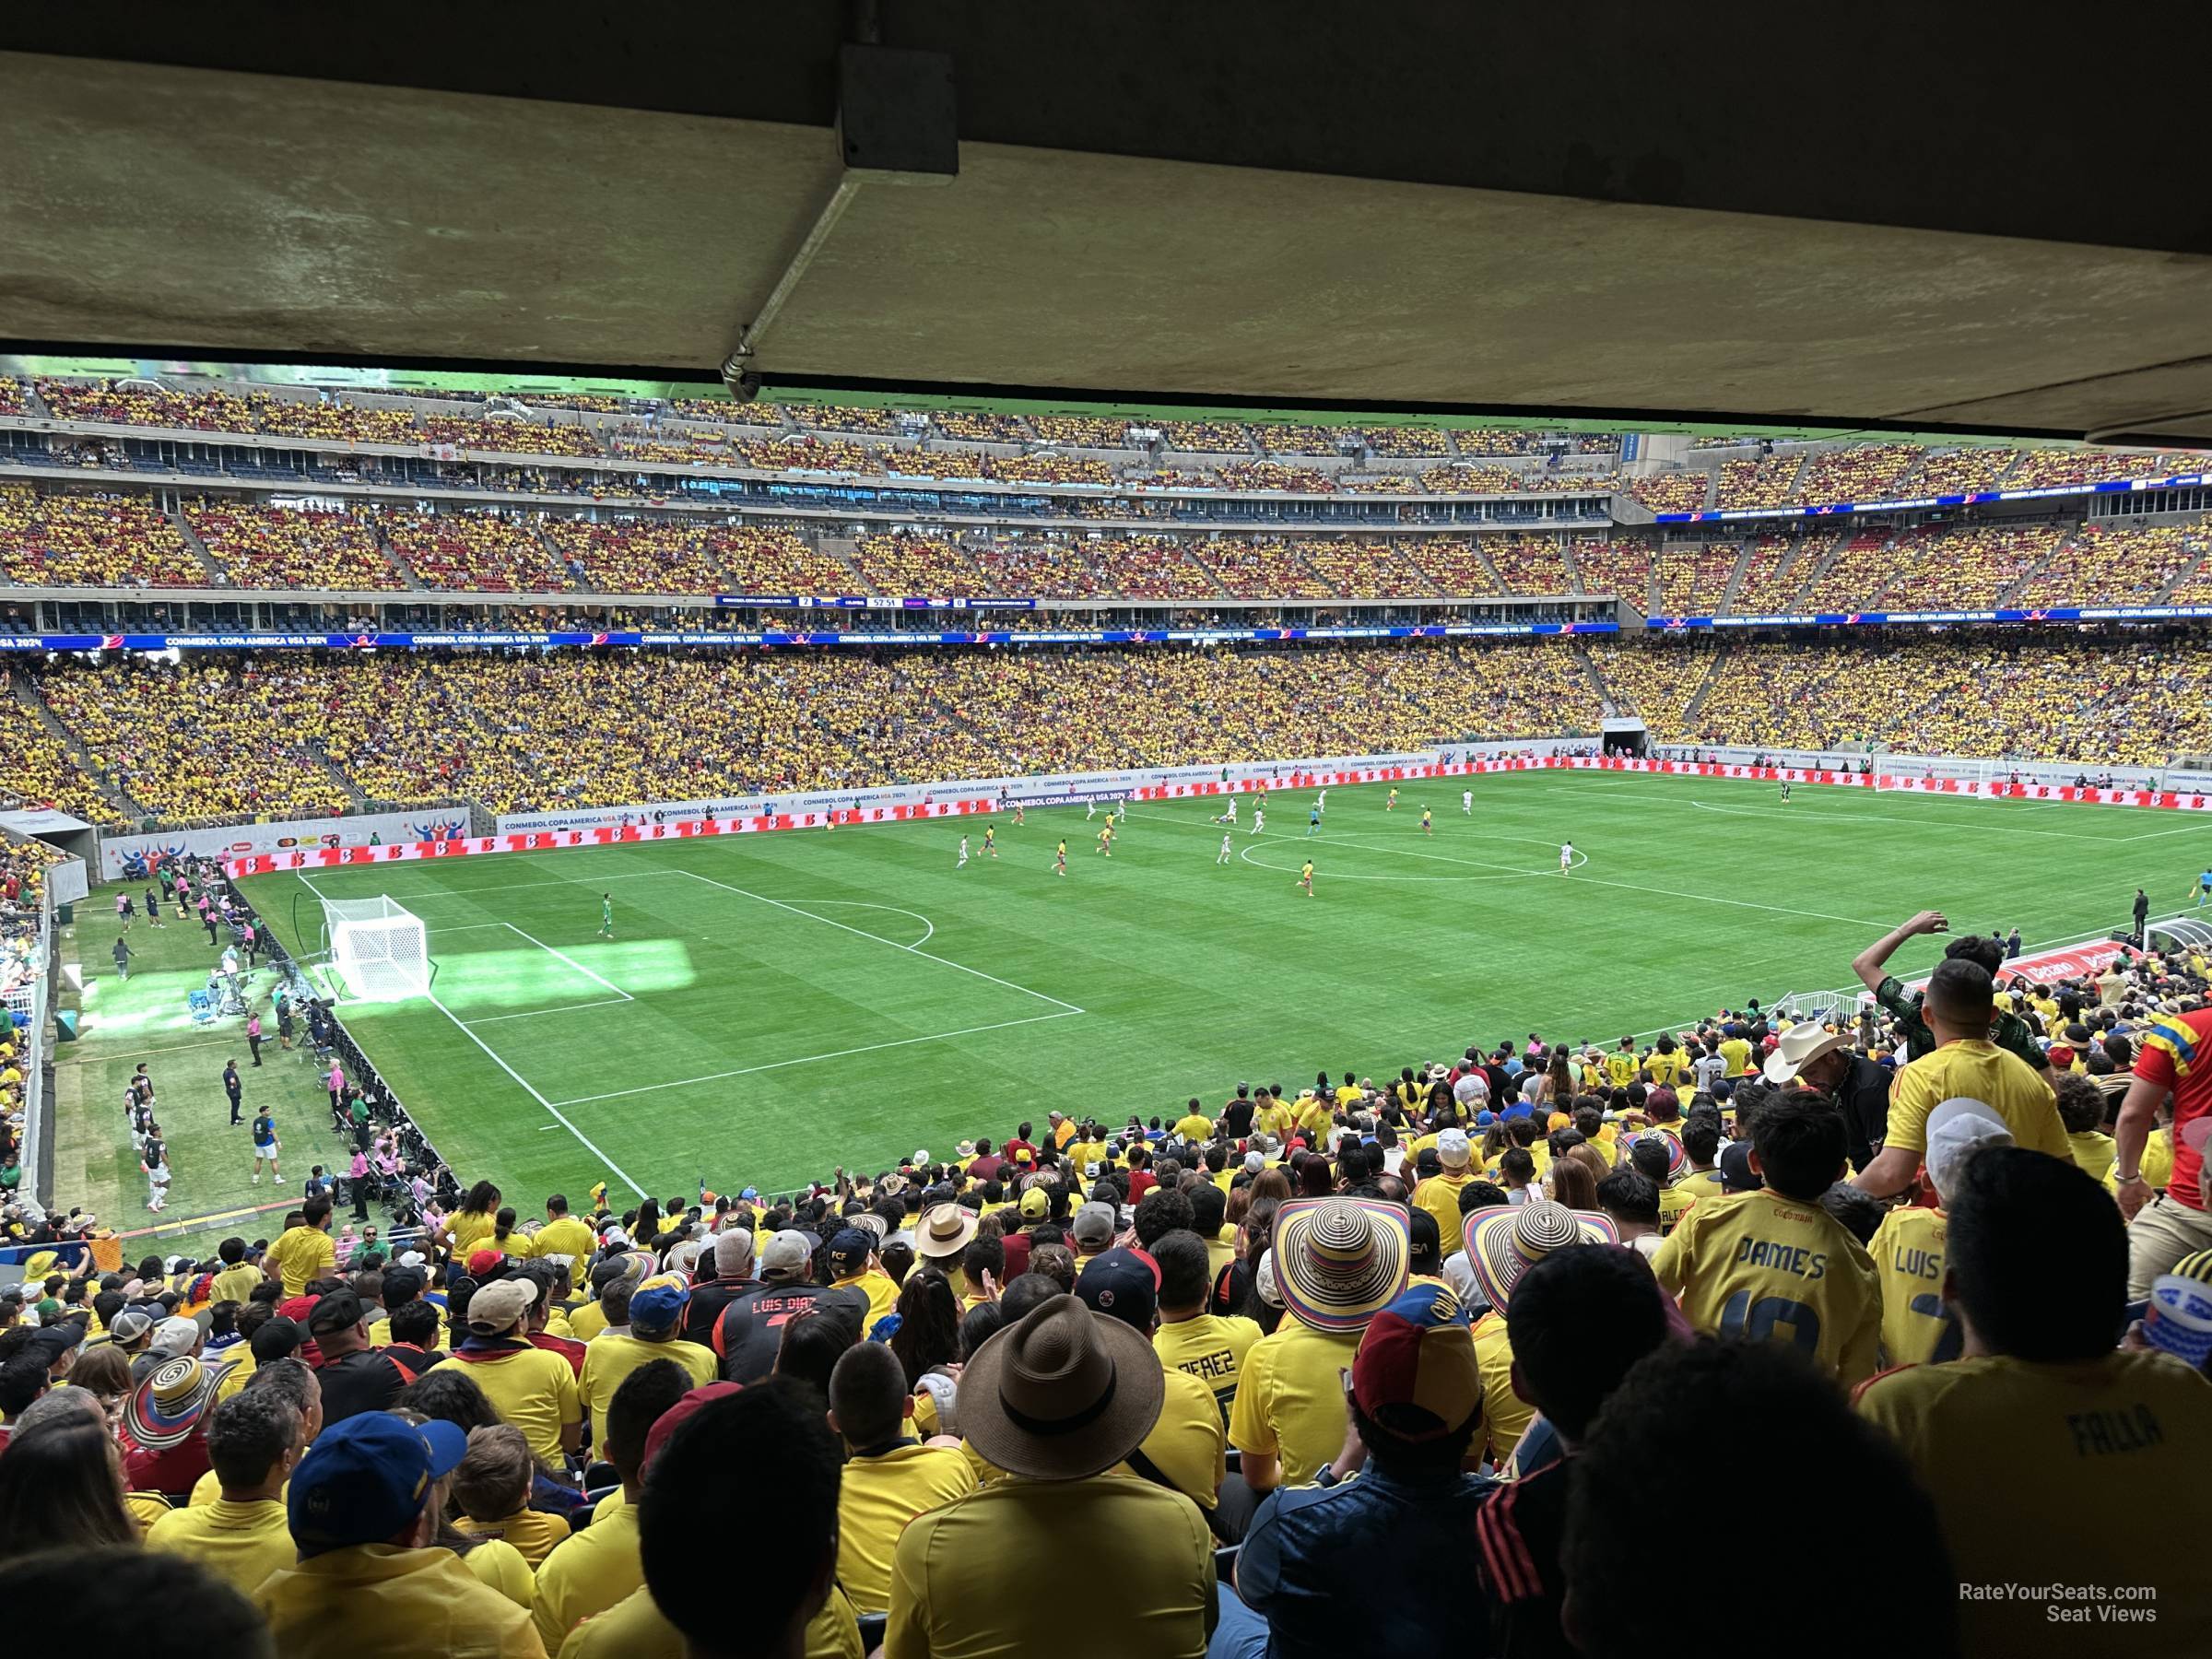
x=379 y=950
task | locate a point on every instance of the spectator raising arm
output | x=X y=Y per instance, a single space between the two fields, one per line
x=1871 y=964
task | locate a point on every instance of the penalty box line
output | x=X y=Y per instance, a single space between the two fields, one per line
x=520 y=1081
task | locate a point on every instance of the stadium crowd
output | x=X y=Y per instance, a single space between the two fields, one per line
x=1402 y=1356
x=304 y=733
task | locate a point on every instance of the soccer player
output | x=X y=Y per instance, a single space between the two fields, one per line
x=606 y=917
x=1313 y=821
x=1305 y=879
x=2204 y=888
x=1321 y=803
x=1566 y=856
x=990 y=840
x=1259 y=819
x=1060 y=858
x=1229 y=817
x=1223 y=857
x=1391 y=804
x=1428 y=825
x=1125 y=810
x=1017 y=818
x=1106 y=840
x=1090 y=810
x=265 y=1146
x=1786 y=789
x=963 y=863
x=1466 y=802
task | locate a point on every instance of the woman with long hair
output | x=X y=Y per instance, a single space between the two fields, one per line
x=928 y=1336
x=1558 y=1080
x=1571 y=1183
x=104 y=1373
x=504 y=1239
x=61 y=1487
x=474 y=1219
x=1317 y=1178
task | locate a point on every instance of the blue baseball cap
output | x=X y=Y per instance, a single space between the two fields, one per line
x=366 y=1477
x=658 y=1303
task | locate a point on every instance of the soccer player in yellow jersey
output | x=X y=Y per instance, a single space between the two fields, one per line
x=1060 y=858
x=1772 y=1264
x=1106 y=840
x=990 y=840
x=1391 y=804
x=1427 y=828
x=1305 y=878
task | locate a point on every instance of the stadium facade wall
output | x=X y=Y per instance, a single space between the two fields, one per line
x=1213 y=782
x=236 y=841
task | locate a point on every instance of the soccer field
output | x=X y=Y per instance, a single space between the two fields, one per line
x=773 y=1004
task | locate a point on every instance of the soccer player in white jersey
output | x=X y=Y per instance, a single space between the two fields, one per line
x=1223 y=857
x=1259 y=819
x=963 y=863
x=1321 y=803
x=1566 y=856
x=1230 y=816
x=1466 y=802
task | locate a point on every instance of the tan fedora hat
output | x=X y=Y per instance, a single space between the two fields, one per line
x=1064 y=1394
x=1797 y=1048
x=946 y=1230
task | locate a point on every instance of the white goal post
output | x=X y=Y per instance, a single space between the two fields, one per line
x=379 y=950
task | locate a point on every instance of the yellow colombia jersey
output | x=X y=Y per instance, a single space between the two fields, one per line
x=1908 y=1257
x=2051 y=1473
x=1621 y=1068
x=1211 y=1348
x=1762 y=1266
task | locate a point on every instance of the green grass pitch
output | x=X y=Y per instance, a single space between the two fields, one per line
x=773 y=1004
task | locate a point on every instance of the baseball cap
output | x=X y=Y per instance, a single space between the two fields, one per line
x=734 y=1251
x=481 y=1262
x=59 y=1338
x=1121 y=1284
x=336 y=1311
x=1736 y=1173
x=849 y=1251
x=658 y=1304
x=1036 y=1203
x=1095 y=1224
x=789 y=1251
x=1416 y=1377
x=1452 y=1150
x=1956 y=1130
x=494 y=1309
x=366 y=1476
x=130 y=1325
x=175 y=1336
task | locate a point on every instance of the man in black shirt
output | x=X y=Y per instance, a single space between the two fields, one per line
x=355 y=1377
x=733 y=1278
x=233 y=1086
x=751 y=1328
x=414 y=1347
x=1585 y=1315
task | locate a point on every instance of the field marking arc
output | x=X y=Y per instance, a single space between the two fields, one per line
x=522 y=1082
x=893 y=944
